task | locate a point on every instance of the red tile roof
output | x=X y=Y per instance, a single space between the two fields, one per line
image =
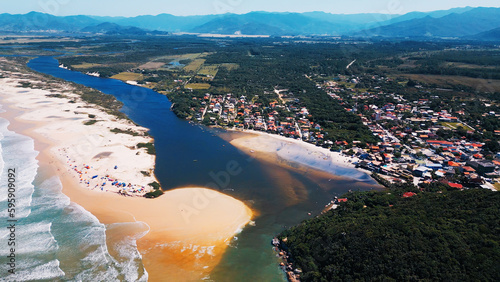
x=469 y=169
x=439 y=142
x=409 y=194
x=456 y=185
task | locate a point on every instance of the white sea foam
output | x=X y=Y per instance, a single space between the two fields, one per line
x=36 y=270
x=34 y=241
x=27 y=234
x=55 y=238
x=95 y=259
x=130 y=259
x=2 y=163
x=19 y=156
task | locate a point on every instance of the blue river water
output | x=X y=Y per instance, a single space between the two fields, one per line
x=192 y=155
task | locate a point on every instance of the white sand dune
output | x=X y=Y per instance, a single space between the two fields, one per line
x=78 y=145
x=300 y=152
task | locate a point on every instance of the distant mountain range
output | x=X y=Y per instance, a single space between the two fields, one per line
x=491 y=35
x=468 y=22
x=113 y=29
x=464 y=24
x=39 y=22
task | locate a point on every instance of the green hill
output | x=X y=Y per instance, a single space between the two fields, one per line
x=381 y=236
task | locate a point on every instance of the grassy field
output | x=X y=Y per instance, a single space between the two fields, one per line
x=152 y=65
x=197 y=86
x=86 y=66
x=445 y=81
x=126 y=76
x=467 y=66
x=209 y=70
x=195 y=65
x=497 y=186
x=150 y=85
x=455 y=125
x=23 y=39
x=347 y=84
x=204 y=78
x=189 y=56
x=230 y=67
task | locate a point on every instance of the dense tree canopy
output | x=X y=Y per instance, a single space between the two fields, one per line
x=381 y=236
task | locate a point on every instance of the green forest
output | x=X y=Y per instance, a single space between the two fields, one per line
x=436 y=235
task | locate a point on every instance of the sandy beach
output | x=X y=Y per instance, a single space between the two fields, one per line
x=293 y=153
x=183 y=233
x=93 y=154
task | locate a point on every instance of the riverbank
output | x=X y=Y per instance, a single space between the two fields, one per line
x=293 y=152
x=183 y=233
x=81 y=137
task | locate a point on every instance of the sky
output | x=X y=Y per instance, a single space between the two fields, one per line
x=130 y=8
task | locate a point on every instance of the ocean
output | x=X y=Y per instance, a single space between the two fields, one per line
x=55 y=239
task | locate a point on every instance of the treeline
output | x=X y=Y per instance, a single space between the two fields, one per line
x=472 y=63
x=475 y=57
x=116 y=54
x=437 y=235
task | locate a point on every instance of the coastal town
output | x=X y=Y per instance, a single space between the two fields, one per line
x=419 y=142
x=412 y=143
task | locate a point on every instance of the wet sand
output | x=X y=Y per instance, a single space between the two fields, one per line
x=296 y=154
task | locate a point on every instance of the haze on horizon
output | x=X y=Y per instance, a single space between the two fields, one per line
x=130 y=8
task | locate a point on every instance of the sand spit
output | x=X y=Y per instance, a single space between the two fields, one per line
x=183 y=233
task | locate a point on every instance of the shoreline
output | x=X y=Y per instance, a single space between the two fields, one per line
x=81 y=136
x=189 y=228
x=291 y=152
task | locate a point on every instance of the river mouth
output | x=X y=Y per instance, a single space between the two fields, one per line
x=190 y=155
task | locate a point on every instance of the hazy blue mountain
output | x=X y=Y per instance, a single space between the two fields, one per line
x=114 y=29
x=235 y=24
x=459 y=22
x=339 y=23
x=357 y=19
x=162 y=22
x=352 y=22
x=490 y=35
x=269 y=24
x=434 y=14
x=35 y=21
x=467 y=23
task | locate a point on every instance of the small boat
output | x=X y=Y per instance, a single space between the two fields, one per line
x=96 y=74
x=252 y=151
